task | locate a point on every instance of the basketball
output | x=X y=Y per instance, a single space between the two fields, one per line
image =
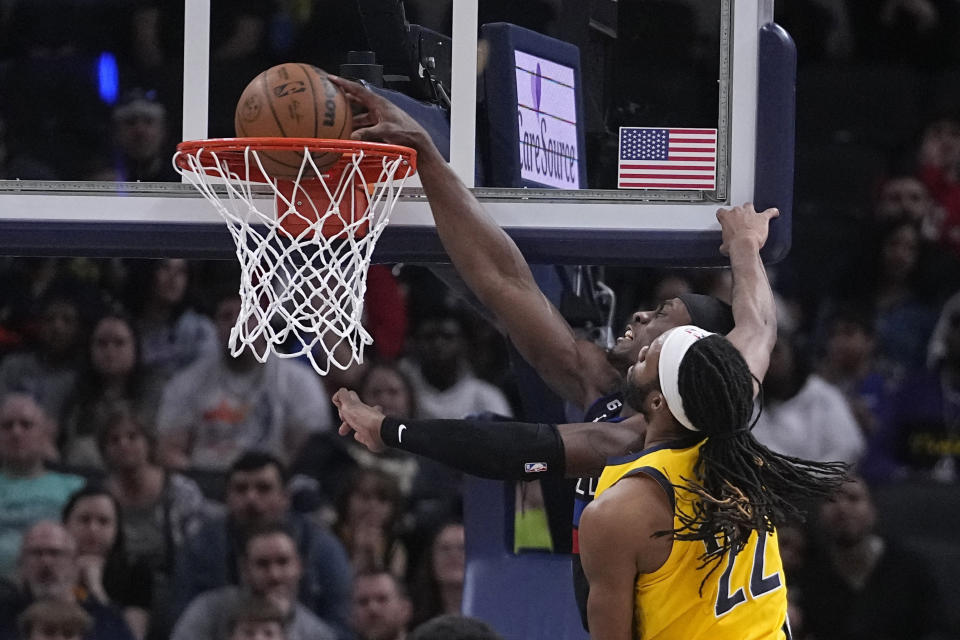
x=292 y=100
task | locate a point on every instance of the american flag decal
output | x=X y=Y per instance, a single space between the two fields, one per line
x=652 y=158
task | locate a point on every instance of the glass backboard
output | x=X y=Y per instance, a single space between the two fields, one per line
x=595 y=132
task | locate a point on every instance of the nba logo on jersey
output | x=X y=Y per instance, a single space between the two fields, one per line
x=534 y=467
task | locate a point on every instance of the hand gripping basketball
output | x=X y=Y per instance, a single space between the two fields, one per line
x=379 y=120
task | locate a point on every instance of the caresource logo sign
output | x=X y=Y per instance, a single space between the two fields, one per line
x=547 y=120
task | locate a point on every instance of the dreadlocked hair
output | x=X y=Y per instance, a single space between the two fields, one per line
x=741 y=486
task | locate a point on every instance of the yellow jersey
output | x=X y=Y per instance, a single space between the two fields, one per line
x=745 y=598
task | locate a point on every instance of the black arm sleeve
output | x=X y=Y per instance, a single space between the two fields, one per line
x=488 y=449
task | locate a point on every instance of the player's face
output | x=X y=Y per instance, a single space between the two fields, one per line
x=644 y=369
x=643 y=375
x=644 y=327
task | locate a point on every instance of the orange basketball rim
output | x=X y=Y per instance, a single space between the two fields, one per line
x=307 y=191
x=304 y=255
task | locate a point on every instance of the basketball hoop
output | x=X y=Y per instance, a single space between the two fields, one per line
x=304 y=265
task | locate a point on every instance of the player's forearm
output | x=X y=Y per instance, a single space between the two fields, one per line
x=588 y=446
x=484 y=255
x=753 y=303
x=488 y=449
x=754 y=309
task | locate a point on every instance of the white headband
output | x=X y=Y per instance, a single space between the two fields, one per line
x=675 y=346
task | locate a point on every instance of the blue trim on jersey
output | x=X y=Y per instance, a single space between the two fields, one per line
x=579 y=504
x=681 y=443
x=661 y=479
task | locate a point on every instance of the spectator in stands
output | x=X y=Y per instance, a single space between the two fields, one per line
x=437 y=583
x=26 y=286
x=159 y=508
x=906 y=197
x=52 y=620
x=48 y=372
x=172 y=334
x=92 y=517
x=47 y=568
x=862 y=585
x=257 y=619
x=440 y=372
x=370 y=510
x=387 y=386
x=804 y=415
x=924 y=432
x=849 y=363
x=270 y=568
x=870 y=385
x=28 y=492
x=112 y=376
x=899 y=292
x=257 y=496
x=222 y=405
x=330 y=459
x=903 y=197
x=142 y=148
x=455 y=627
x=381 y=607
x=939 y=160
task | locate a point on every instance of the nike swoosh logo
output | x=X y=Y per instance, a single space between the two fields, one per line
x=400 y=433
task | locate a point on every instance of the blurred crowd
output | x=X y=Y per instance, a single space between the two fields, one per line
x=164 y=482
x=168 y=489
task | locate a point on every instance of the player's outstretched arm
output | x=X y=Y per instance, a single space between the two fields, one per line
x=495 y=450
x=754 y=310
x=487 y=258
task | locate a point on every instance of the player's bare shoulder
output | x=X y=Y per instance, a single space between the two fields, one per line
x=628 y=515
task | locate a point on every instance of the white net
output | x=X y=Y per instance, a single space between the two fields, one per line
x=304 y=267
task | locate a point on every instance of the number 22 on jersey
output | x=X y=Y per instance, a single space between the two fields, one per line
x=758 y=582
